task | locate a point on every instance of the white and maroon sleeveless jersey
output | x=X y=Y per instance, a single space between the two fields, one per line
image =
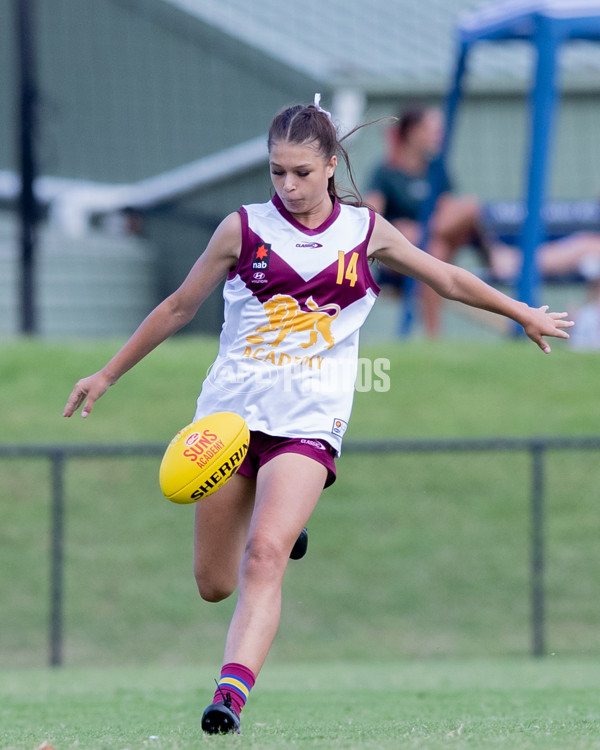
x=294 y=304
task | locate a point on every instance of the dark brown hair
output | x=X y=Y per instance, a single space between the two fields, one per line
x=309 y=124
x=410 y=118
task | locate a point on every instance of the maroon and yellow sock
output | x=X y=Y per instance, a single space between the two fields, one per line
x=235 y=685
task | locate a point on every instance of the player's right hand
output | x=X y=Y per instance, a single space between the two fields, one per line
x=87 y=391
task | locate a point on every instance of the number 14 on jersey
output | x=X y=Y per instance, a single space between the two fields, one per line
x=347 y=272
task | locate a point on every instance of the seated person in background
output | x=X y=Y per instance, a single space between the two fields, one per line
x=400 y=185
x=576 y=253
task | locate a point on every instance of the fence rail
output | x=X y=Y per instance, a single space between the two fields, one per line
x=58 y=455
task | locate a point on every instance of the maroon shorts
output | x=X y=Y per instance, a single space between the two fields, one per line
x=264 y=447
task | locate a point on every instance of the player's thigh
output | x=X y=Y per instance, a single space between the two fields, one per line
x=288 y=488
x=220 y=532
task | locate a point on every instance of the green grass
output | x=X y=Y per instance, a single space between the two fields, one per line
x=550 y=705
x=411 y=556
x=406 y=626
x=437 y=389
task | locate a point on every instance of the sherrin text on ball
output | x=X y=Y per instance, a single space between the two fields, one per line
x=203 y=456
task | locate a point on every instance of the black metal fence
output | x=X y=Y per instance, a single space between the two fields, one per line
x=535 y=447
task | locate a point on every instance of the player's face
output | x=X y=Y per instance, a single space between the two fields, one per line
x=299 y=174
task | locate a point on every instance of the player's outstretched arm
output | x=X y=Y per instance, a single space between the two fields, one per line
x=169 y=316
x=452 y=282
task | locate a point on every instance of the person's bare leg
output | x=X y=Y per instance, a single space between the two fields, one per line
x=431 y=302
x=220 y=532
x=287 y=490
x=457 y=222
x=567 y=255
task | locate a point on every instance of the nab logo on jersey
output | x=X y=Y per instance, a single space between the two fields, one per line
x=262 y=253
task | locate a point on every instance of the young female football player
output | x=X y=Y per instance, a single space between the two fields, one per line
x=297 y=289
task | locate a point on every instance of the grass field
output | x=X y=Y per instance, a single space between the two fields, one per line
x=474 y=705
x=422 y=560
x=437 y=389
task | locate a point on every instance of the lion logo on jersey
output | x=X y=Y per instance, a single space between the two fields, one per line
x=286 y=316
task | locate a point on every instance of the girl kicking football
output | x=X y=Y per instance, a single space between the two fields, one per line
x=298 y=287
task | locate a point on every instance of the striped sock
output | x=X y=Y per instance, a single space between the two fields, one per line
x=236 y=683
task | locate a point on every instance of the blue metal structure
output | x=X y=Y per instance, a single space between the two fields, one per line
x=546 y=24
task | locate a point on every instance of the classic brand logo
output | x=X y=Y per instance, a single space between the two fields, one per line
x=262 y=254
x=308 y=244
x=315 y=444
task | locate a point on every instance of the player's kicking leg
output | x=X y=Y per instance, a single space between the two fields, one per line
x=287 y=490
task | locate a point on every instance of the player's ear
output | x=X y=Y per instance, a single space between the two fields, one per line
x=330 y=169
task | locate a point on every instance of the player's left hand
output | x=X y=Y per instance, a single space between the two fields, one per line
x=543 y=323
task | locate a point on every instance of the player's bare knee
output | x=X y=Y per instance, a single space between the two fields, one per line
x=263 y=558
x=213 y=594
x=212 y=590
x=472 y=206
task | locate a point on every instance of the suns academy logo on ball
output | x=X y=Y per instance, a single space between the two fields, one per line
x=203 y=456
x=202 y=447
